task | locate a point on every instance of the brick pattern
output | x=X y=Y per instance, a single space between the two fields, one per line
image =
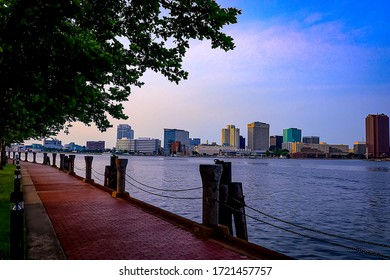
x=92 y=225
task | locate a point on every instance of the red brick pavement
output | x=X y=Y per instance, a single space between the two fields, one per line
x=92 y=225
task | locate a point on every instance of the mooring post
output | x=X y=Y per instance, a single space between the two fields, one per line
x=71 y=164
x=236 y=201
x=225 y=213
x=211 y=176
x=54 y=159
x=13 y=155
x=44 y=158
x=62 y=161
x=121 y=165
x=25 y=156
x=88 y=168
x=34 y=157
x=17 y=219
x=20 y=155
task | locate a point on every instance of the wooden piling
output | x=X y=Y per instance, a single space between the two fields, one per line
x=88 y=168
x=71 y=164
x=121 y=165
x=211 y=176
x=236 y=201
x=62 y=161
x=54 y=159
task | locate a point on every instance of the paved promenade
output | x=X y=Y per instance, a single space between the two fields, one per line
x=69 y=219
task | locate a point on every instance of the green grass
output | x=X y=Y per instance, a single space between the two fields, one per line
x=6 y=187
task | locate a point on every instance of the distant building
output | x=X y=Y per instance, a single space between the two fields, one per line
x=377 y=136
x=292 y=135
x=208 y=150
x=194 y=142
x=54 y=144
x=230 y=136
x=298 y=149
x=311 y=139
x=176 y=135
x=242 y=143
x=359 y=148
x=96 y=145
x=123 y=144
x=147 y=146
x=258 y=136
x=74 y=147
x=275 y=142
x=124 y=131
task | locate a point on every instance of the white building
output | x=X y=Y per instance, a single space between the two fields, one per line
x=147 y=146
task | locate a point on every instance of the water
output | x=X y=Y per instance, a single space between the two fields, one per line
x=346 y=198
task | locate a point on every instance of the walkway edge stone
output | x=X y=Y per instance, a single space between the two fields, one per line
x=42 y=241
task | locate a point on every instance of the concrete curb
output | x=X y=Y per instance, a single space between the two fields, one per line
x=42 y=241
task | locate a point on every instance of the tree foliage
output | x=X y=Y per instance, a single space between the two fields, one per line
x=76 y=60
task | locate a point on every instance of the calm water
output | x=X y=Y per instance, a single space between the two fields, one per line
x=346 y=198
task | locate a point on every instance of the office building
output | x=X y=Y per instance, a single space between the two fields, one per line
x=275 y=142
x=304 y=150
x=311 y=139
x=359 y=148
x=258 y=136
x=96 y=145
x=124 y=131
x=292 y=135
x=230 y=136
x=377 y=136
x=176 y=135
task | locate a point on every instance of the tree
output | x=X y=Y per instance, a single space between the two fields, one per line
x=76 y=60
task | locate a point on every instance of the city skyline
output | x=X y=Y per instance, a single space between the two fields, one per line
x=322 y=67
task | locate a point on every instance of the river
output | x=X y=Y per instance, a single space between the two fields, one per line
x=336 y=204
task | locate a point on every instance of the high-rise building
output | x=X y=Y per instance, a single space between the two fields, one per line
x=377 y=136
x=176 y=135
x=275 y=142
x=292 y=135
x=311 y=139
x=258 y=136
x=124 y=131
x=230 y=136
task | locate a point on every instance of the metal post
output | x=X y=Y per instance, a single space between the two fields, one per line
x=211 y=176
x=71 y=164
x=88 y=168
x=17 y=219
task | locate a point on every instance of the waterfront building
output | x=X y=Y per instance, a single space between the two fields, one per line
x=208 y=149
x=230 y=136
x=311 y=139
x=96 y=145
x=123 y=144
x=377 y=136
x=292 y=135
x=176 y=135
x=194 y=142
x=275 y=142
x=258 y=136
x=359 y=148
x=54 y=144
x=72 y=146
x=144 y=145
x=298 y=150
x=124 y=131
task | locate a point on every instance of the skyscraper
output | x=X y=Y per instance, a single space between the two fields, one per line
x=292 y=135
x=377 y=136
x=230 y=136
x=124 y=131
x=258 y=136
x=176 y=135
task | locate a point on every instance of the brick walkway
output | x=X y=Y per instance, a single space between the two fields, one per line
x=92 y=225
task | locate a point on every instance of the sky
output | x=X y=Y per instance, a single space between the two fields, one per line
x=320 y=66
